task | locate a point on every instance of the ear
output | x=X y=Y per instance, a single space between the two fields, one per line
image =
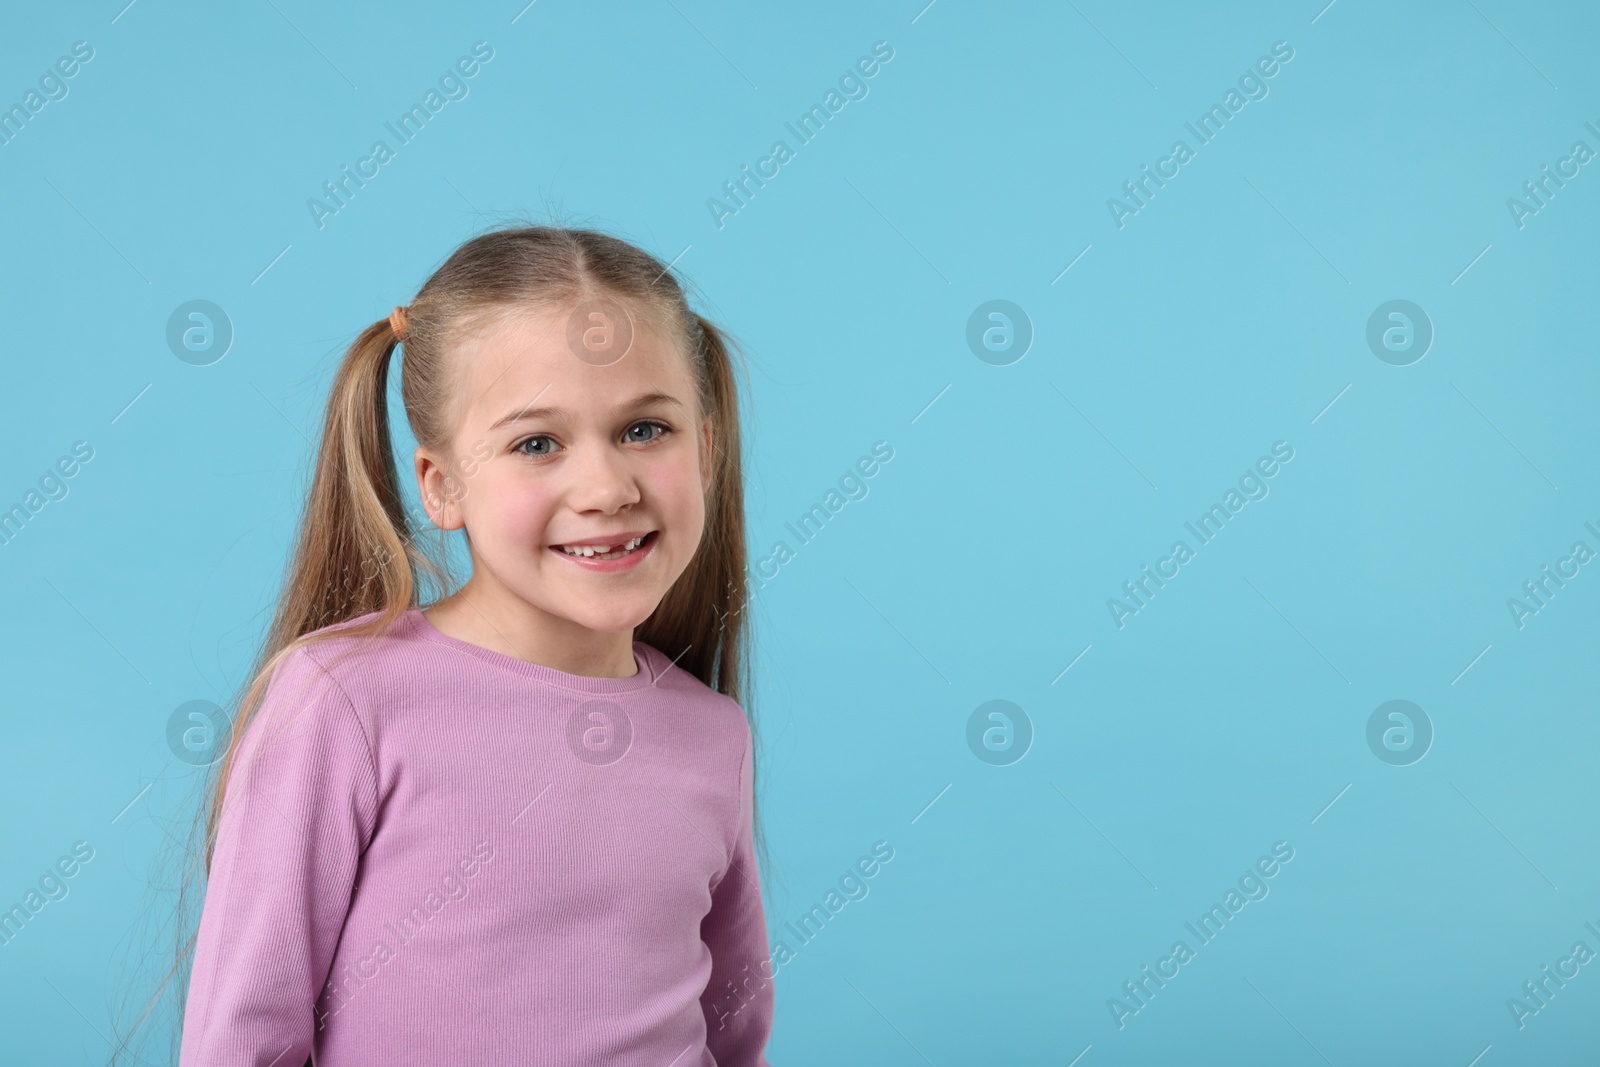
x=440 y=490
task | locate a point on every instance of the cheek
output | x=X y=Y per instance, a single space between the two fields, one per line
x=676 y=486
x=522 y=515
x=507 y=506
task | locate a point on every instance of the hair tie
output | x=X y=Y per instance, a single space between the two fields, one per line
x=400 y=323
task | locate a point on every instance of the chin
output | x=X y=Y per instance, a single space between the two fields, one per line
x=610 y=622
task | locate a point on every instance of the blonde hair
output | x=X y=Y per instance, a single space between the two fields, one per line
x=356 y=553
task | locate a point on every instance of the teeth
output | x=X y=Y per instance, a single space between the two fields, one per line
x=605 y=551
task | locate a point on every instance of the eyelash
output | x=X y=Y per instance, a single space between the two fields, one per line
x=662 y=427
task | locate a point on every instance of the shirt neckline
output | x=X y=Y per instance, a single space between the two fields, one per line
x=585 y=683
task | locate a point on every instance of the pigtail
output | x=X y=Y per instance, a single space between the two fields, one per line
x=354 y=556
x=702 y=624
x=726 y=520
x=351 y=558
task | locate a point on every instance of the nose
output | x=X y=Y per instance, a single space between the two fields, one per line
x=602 y=479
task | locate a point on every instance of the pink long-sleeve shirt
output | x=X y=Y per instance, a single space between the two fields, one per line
x=433 y=853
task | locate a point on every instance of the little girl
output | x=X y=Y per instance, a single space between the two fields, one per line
x=515 y=826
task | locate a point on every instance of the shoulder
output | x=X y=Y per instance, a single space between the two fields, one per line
x=323 y=680
x=308 y=743
x=680 y=683
x=348 y=655
x=716 y=721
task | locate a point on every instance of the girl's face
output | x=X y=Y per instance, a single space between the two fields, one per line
x=553 y=451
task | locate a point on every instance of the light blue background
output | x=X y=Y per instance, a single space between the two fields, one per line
x=1225 y=316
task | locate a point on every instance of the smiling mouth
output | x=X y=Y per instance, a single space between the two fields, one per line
x=617 y=551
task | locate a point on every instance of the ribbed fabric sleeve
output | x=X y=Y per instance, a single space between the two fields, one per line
x=738 y=1000
x=432 y=853
x=298 y=811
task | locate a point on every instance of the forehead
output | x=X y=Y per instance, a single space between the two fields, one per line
x=531 y=357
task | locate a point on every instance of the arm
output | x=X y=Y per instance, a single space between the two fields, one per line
x=299 y=809
x=738 y=1000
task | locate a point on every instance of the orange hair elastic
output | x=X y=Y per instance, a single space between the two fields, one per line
x=399 y=322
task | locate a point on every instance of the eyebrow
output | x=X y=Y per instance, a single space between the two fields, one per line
x=643 y=400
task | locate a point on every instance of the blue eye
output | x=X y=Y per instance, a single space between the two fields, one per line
x=661 y=429
x=537 y=437
x=661 y=426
